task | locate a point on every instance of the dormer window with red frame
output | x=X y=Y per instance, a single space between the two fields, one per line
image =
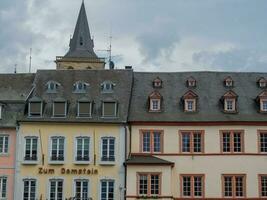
x=191 y=82
x=262 y=82
x=228 y=82
x=157 y=83
x=155 y=102
x=262 y=100
x=229 y=102
x=190 y=101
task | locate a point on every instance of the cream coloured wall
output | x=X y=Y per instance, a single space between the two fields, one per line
x=213 y=164
x=70 y=131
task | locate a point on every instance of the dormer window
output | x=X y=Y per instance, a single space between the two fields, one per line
x=109 y=109
x=155 y=102
x=191 y=82
x=262 y=100
x=190 y=101
x=229 y=101
x=262 y=82
x=35 y=107
x=80 y=87
x=52 y=86
x=84 y=109
x=157 y=83
x=107 y=87
x=59 y=108
x=228 y=82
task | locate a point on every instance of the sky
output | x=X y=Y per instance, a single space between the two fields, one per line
x=150 y=35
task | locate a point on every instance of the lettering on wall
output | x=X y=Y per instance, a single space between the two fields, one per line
x=83 y=171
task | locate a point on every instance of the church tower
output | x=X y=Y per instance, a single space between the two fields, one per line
x=81 y=53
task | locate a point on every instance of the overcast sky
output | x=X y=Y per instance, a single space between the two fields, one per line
x=150 y=35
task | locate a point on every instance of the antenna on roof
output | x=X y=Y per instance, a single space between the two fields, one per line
x=30 y=64
x=111 y=63
x=15 y=69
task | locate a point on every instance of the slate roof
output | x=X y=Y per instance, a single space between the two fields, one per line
x=81 y=44
x=14 y=89
x=66 y=78
x=146 y=159
x=209 y=88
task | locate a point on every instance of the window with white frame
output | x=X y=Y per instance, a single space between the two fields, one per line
x=80 y=87
x=59 y=109
x=108 y=149
x=263 y=105
x=29 y=189
x=35 y=109
x=82 y=148
x=155 y=104
x=192 y=186
x=56 y=189
x=234 y=186
x=4 y=144
x=57 y=150
x=31 y=148
x=84 y=109
x=107 y=189
x=149 y=184
x=263 y=185
x=52 y=87
x=229 y=105
x=109 y=109
x=3 y=187
x=263 y=142
x=107 y=87
x=81 y=189
x=190 y=105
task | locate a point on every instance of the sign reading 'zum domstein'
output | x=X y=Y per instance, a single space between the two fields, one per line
x=83 y=171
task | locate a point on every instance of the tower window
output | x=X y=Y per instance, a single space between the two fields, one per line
x=81 y=41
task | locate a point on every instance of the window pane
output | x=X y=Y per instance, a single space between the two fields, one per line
x=197 y=139
x=264 y=186
x=186 y=186
x=154 y=184
x=29 y=191
x=31 y=148
x=109 y=109
x=228 y=187
x=157 y=141
x=84 y=109
x=3 y=187
x=185 y=142
x=3 y=144
x=59 y=108
x=81 y=189
x=239 y=186
x=198 y=186
x=263 y=142
x=237 y=142
x=107 y=190
x=146 y=142
x=226 y=142
x=143 y=184
x=82 y=147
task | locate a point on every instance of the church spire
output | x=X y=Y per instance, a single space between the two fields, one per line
x=81 y=44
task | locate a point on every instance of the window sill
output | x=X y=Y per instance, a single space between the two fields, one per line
x=31 y=116
x=4 y=155
x=109 y=117
x=51 y=162
x=82 y=162
x=30 y=162
x=107 y=162
x=84 y=117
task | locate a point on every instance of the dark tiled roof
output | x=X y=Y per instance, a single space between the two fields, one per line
x=210 y=89
x=67 y=78
x=146 y=159
x=14 y=89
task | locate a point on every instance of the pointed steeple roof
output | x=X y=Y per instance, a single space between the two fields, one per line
x=81 y=44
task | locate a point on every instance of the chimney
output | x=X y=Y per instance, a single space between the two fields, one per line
x=128 y=67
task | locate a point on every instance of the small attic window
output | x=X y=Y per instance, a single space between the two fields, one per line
x=35 y=108
x=109 y=109
x=52 y=86
x=155 y=102
x=228 y=82
x=262 y=101
x=191 y=82
x=157 y=83
x=84 y=109
x=81 y=41
x=107 y=87
x=230 y=102
x=59 y=109
x=262 y=82
x=190 y=101
x=80 y=87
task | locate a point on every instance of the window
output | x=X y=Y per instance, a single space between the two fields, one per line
x=57 y=152
x=233 y=186
x=59 y=109
x=107 y=87
x=52 y=86
x=81 y=189
x=263 y=185
x=3 y=187
x=155 y=102
x=263 y=142
x=149 y=184
x=29 y=191
x=192 y=185
x=262 y=82
x=56 y=189
x=228 y=82
x=229 y=105
x=35 y=109
x=108 y=149
x=3 y=144
x=191 y=82
x=190 y=105
x=80 y=87
x=152 y=141
x=232 y=141
x=157 y=83
x=109 y=109
x=31 y=148
x=192 y=141
x=84 y=109
x=107 y=190
x=263 y=105
x=82 y=148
